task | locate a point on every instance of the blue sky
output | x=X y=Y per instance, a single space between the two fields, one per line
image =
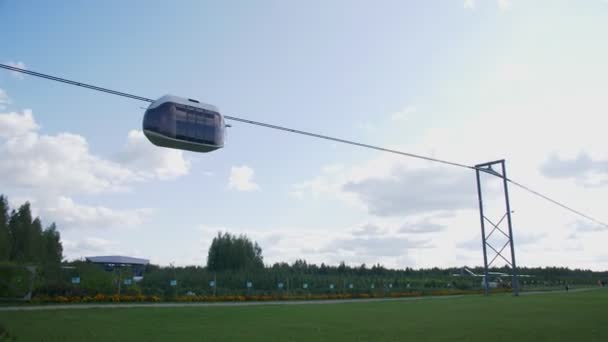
x=464 y=80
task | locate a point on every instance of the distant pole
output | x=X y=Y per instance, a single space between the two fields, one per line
x=514 y=281
x=483 y=235
x=497 y=250
x=214 y=283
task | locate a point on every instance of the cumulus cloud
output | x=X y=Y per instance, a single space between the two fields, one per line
x=470 y=4
x=470 y=244
x=19 y=65
x=586 y=227
x=71 y=215
x=241 y=179
x=59 y=164
x=53 y=168
x=62 y=164
x=367 y=244
x=151 y=161
x=407 y=191
x=424 y=226
x=88 y=245
x=583 y=168
x=378 y=246
x=77 y=248
x=4 y=99
x=367 y=230
x=389 y=186
x=15 y=124
x=522 y=239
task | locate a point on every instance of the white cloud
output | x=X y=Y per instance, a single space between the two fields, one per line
x=470 y=244
x=241 y=179
x=62 y=164
x=151 y=161
x=422 y=227
x=15 y=124
x=406 y=191
x=371 y=246
x=50 y=169
x=87 y=246
x=582 y=228
x=79 y=248
x=4 y=99
x=470 y=4
x=70 y=215
x=523 y=122
x=368 y=230
x=330 y=245
x=19 y=65
x=394 y=186
x=586 y=170
x=403 y=114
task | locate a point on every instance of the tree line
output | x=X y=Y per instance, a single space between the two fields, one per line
x=23 y=238
x=233 y=262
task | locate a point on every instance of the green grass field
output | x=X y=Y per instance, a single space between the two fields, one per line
x=561 y=316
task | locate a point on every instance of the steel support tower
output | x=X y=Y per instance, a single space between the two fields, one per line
x=496 y=227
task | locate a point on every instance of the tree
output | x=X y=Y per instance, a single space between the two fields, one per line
x=5 y=245
x=229 y=252
x=23 y=240
x=35 y=250
x=20 y=230
x=53 y=250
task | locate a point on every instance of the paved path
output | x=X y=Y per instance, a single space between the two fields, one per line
x=228 y=304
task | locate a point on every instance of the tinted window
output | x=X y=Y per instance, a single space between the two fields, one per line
x=160 y=120
x=185 y=123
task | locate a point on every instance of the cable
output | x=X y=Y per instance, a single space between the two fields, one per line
x=314 y=135
x=251 y=122
x=320 y=136
x=557 y=203
x=84 y=85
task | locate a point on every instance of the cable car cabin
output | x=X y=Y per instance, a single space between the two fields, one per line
x=184 y=124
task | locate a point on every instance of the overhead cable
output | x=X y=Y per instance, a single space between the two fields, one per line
x=310 y=134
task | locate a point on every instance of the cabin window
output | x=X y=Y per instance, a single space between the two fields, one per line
x=186 y=123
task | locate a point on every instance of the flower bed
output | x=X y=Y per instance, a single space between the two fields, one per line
x=101 y=298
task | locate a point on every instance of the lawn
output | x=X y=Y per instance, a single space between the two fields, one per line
x=560 y=316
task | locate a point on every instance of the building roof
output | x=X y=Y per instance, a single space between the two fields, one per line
x=117 y=259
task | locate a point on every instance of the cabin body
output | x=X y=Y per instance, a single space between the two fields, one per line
x=184 y=124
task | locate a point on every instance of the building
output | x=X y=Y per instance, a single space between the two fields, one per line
x=111 y=262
